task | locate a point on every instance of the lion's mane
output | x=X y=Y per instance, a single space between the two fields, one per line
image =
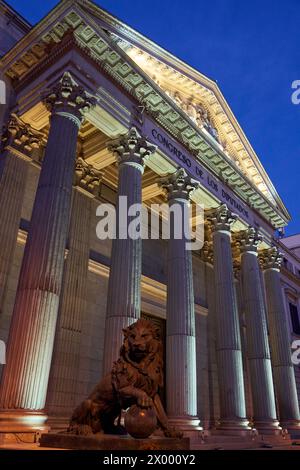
x=147 y=374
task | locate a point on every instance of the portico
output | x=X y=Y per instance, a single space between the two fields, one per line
x=82 y=135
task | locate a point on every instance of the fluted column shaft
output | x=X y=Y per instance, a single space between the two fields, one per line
x=283 y=369
x=181 y=373
x=18 y=141
x=34 y=316
x=62 y=390
x=30 y=344
x=124 y=287
x=213 y=386
x=258 y=352
x=228 y=341
x=12 y=186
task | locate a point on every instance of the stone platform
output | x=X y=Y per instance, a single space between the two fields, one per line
x=227 y=442
x=111 y=442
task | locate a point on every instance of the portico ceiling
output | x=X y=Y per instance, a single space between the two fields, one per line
x=153 y=77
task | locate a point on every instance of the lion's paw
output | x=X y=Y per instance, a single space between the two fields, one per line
x=81 y=429
x=173 y=432
x=145 y=401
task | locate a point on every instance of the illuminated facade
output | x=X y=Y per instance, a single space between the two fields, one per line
x=229 y=311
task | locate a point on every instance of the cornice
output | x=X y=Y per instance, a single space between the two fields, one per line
x=22 y=23
x=285 y=249
x=290 y=275
x=36 y=31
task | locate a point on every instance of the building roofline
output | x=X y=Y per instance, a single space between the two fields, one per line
x=7 y=8
x=291 y=236
x=121 y=28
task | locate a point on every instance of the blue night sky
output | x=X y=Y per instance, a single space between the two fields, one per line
x=251 y=48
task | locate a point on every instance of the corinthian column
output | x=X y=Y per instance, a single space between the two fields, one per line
x=18 y=143
x=181 y=383
x=228 y=341
x=258 y=352
x=280 y=342
x=124 y=287
x=30 y=344
x=62 y=393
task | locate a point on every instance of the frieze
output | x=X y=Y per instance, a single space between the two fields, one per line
x=197 y=171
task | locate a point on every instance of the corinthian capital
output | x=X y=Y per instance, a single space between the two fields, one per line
x=270 y=258
x=20 y=136
x=178 y=185
x=69 y=99
x=248 y=240
x=222 y=218
x=207 y=252
x=132 y=148
x=87 y=177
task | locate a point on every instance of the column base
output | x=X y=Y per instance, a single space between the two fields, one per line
x=23 y=421
x=292 y=426
x=185 y=423
x=190 y=426
x=268 y=427
x=233 y=427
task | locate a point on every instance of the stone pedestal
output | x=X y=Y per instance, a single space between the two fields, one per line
x=228 y=344
x=30 y=344
x=112 y=443
x=280 y=342
x=124 y=288
x=258 y=353
x=181 y=380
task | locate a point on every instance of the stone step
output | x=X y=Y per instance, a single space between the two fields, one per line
x=225 y=438
x=225 y=442
x=260 y=445
x=224 y=446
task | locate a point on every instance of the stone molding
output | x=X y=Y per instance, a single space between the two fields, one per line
x=248 y=240
x=87 y=177
x=69 y=99
x=207 y=252
x=178 y=185
x=221 y=218
x=132 y=149
x=271 y=258
x=19 y=136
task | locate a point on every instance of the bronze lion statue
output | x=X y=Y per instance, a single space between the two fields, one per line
x=135 y=379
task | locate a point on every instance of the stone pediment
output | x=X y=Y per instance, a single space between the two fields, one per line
x=187 y=104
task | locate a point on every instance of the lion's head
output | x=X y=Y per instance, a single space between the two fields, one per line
x=142 y=346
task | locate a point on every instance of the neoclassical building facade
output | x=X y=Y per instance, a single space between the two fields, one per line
x=95 y=111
